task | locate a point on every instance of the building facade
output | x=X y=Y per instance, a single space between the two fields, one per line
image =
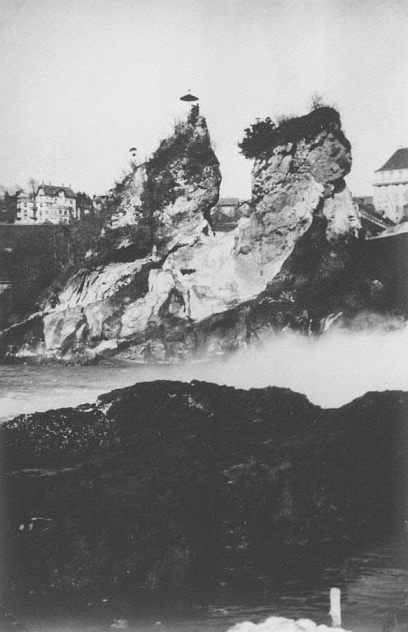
x=390 y=195
x=25 y=208
x=53 y=204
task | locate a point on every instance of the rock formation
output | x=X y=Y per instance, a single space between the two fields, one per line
x=190 y=492
x=162 y=285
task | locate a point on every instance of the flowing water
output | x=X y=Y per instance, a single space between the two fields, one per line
x=373 y=584
x=331 y=370
x=28 y=388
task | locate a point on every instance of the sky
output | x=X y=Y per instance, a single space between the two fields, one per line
x=83 y=81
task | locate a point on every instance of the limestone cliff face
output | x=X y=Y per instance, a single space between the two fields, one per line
x=164 y=206
x=163 y=285
x=169 y=198
x=294 y=181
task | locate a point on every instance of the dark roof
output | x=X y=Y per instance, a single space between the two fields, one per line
x=399 y=160
x=189 y=97
x=49 y=189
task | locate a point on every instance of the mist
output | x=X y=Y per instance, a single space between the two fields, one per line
x=331 y=369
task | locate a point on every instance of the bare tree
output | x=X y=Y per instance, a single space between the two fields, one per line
x=316 y=101
x=33 y=185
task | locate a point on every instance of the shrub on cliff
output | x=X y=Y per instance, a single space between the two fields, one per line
x=182 y=156
x=258 y=137
x=123 y=244
x=263 y=136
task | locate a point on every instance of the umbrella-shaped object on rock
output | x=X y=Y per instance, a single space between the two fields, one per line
x=189 y=97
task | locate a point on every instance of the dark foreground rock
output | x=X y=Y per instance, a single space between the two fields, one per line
x=183 y=492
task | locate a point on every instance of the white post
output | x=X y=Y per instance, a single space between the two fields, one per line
x=335 y=607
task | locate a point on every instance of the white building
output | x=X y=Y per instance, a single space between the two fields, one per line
x=50 y=204
x=390 y=195
x=25 y=208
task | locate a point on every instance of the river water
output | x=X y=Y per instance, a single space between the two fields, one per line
x=27 y=388
x=331 y=370
x=373 y=585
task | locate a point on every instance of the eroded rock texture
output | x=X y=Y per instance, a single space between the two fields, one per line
x=163 y=285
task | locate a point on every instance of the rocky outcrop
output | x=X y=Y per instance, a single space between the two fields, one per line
x=169 y=198
x=193 y=492
x=161 y=284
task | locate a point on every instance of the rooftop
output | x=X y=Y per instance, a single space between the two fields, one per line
x=50 y=189
x=399 y=160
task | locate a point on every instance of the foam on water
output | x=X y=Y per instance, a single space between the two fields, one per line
x=331 y=369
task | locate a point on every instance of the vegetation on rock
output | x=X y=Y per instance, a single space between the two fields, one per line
x=263 y=136
x=180 y=161
x=180 y=164
x=297 y=260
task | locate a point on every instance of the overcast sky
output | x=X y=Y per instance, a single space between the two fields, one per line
x=84 y=80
